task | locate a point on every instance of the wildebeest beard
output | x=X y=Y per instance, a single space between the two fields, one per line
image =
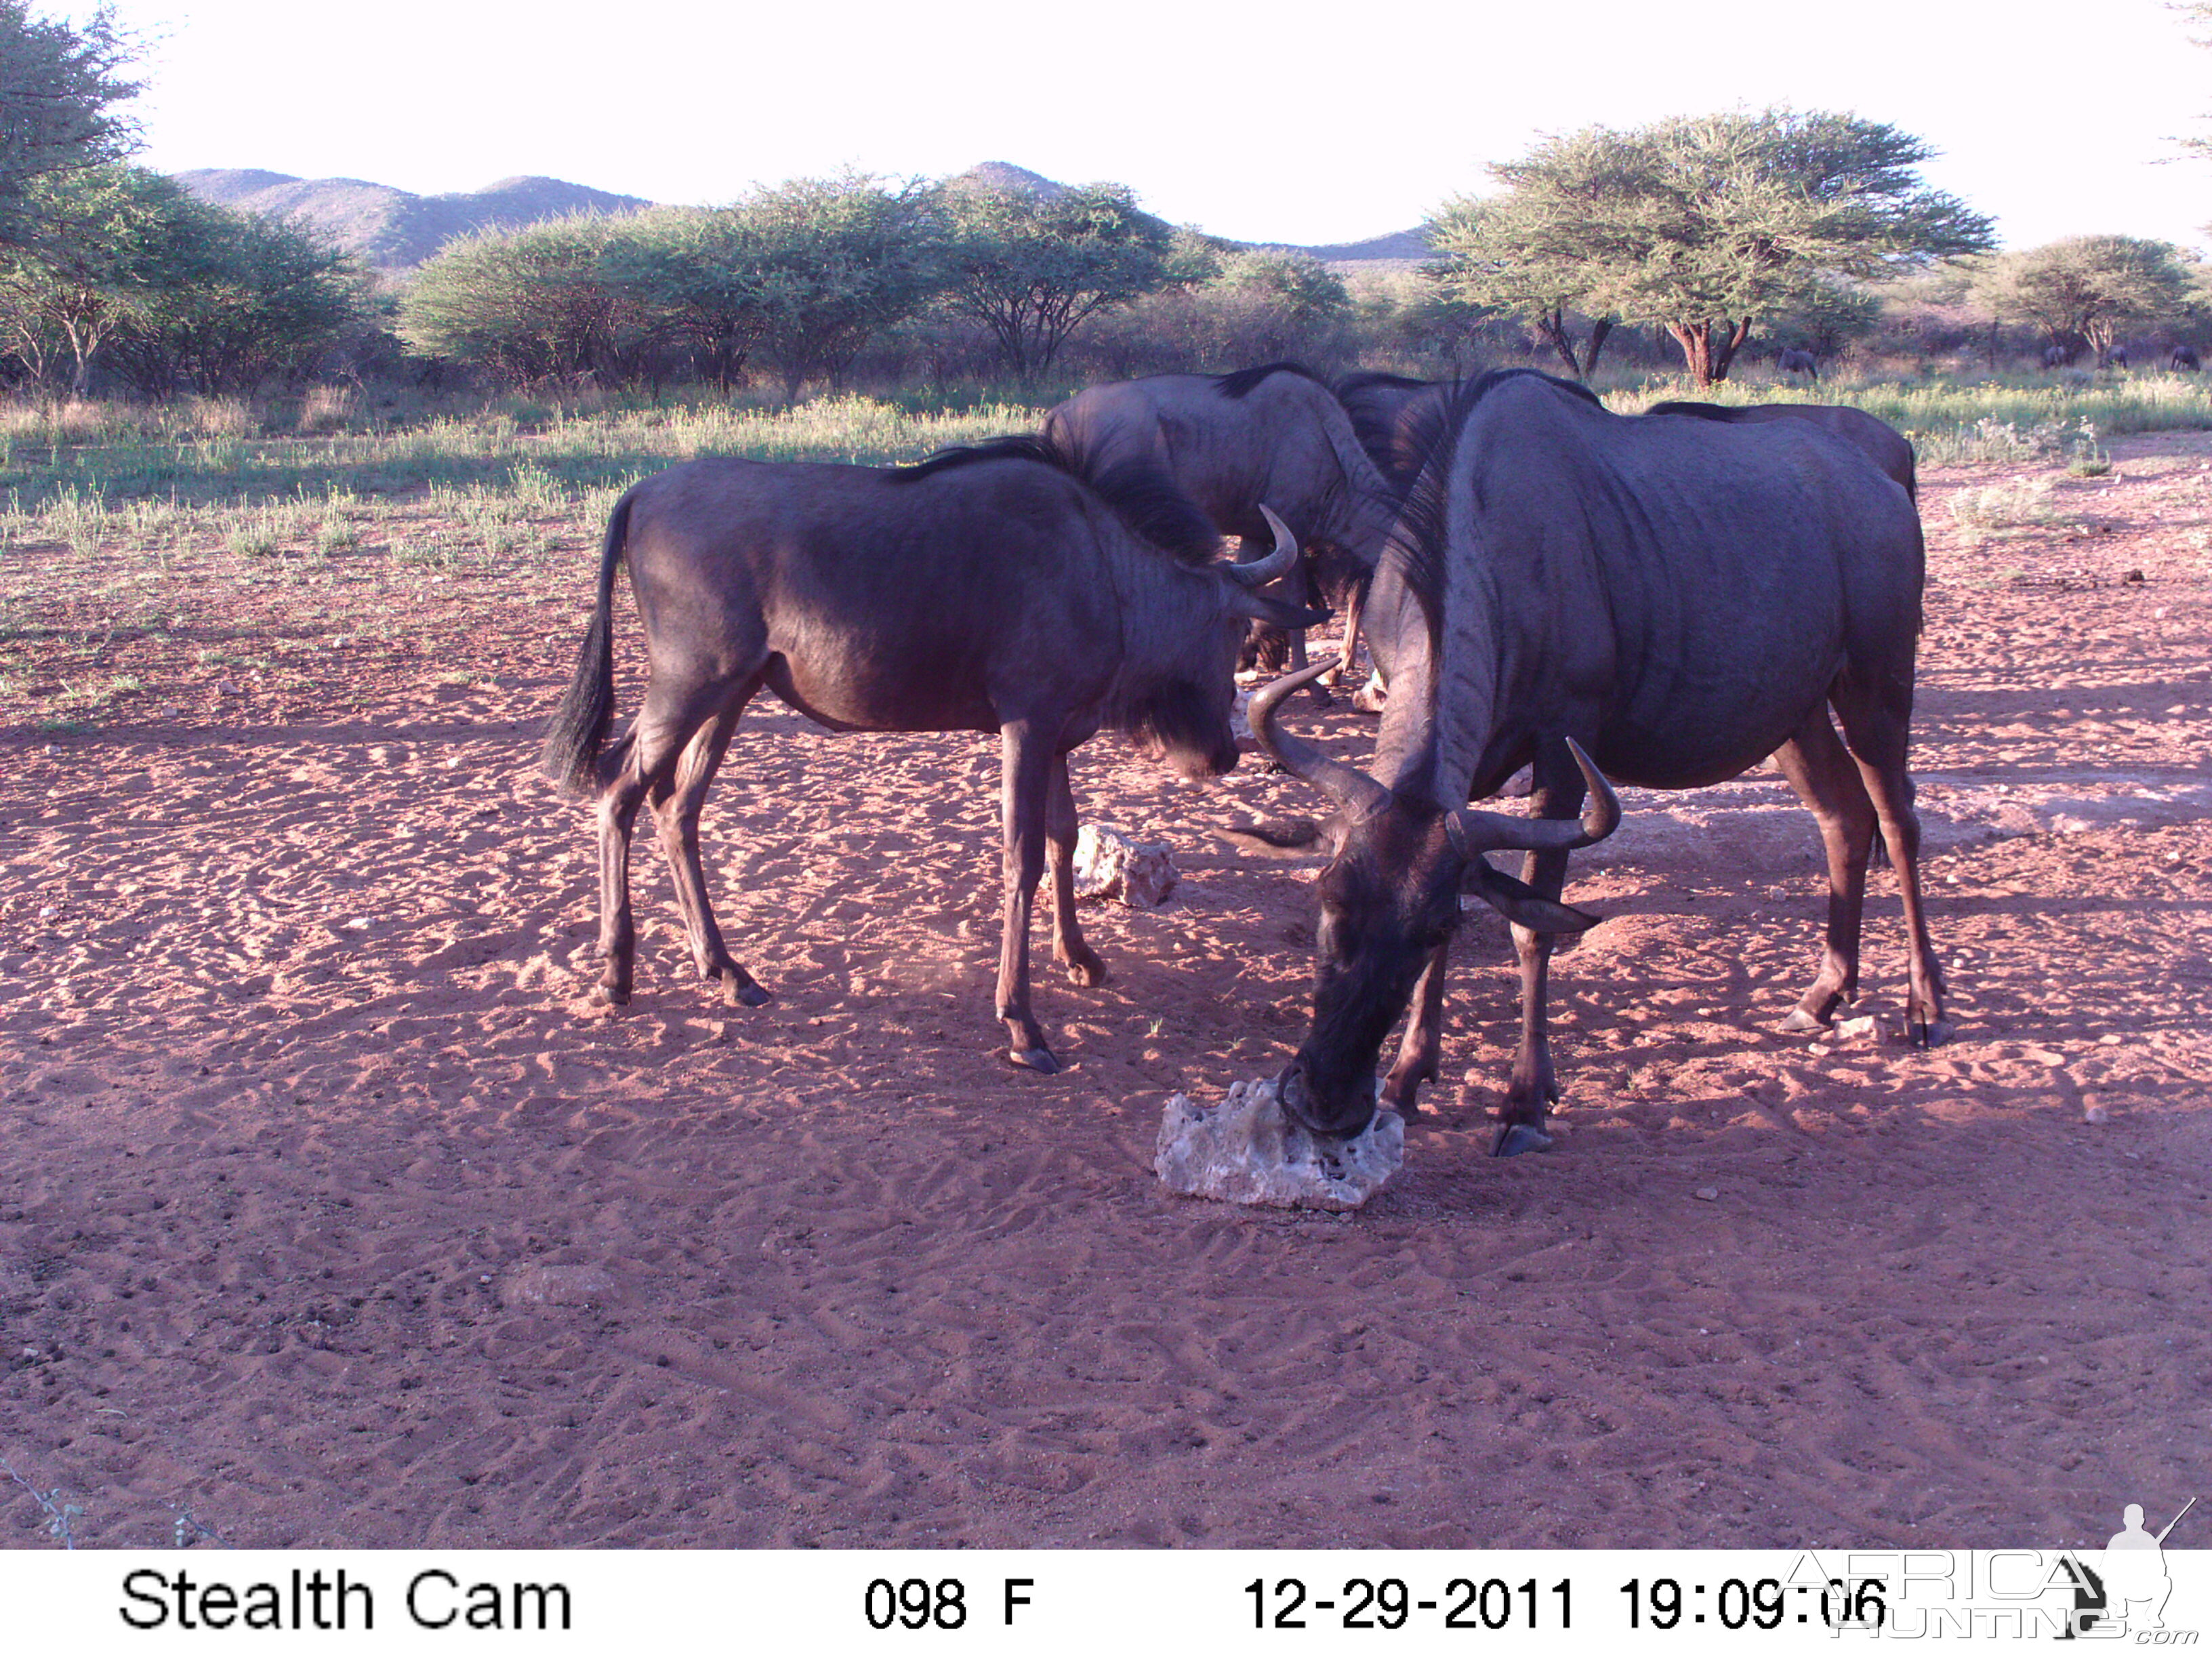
x=1174 y=721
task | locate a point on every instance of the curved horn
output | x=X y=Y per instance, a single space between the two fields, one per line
x=1475 y=832
x=1353 y=790
x=1260 y=572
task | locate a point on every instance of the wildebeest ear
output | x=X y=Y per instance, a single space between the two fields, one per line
x=1287 y=838
x=1518 y=902
x=1261 y=608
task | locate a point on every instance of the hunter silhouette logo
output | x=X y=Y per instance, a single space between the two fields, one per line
x=2128 y=1589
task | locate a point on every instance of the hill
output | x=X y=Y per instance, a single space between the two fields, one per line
x=394 y=229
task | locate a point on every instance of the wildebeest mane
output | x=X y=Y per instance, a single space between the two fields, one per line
x=1240 y=384
x=1699 y=411
x=1142 y=493
x=1420 y=543
x=1377 y=434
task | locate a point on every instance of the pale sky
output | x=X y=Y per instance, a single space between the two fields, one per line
x=1262 y=122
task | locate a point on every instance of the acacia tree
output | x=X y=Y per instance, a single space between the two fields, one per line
x=701 y=270
x=528 y=305
x=59 y=85
x=837 y=261
x=112 y=241
x=1032 y=268
x=1527 y=252
x=260 y=298
x=2086 y=289
x=1704 y=225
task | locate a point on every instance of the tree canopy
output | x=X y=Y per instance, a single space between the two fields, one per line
x=1032 y=268
x=1703 y=225
x=60 y=86
x=2084 y=290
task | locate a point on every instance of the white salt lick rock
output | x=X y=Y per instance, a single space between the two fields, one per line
x=1110 y=865
x=1245 y=1150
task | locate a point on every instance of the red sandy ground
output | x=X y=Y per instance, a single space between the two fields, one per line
x=301 y=1085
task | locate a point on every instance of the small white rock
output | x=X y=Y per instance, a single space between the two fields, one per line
x=1708 y=1193
x=1110 y=865
x=1866 y=1027
x=1245 y=1150
x=2093 y=1112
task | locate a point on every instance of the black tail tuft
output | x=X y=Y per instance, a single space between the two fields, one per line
x=571 y=755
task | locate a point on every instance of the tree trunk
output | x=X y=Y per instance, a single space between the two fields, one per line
x=1600 y=332
x=1708 y=361
x=1551 y=326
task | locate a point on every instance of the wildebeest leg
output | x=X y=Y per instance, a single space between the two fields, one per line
x=1026 y=757
x=1353 y=607
x=1557 y=792
x=1082 y=963
x=1819 y=769
x=644 y=761
x=676 y=802
x=1422 y=1046
x=1298 y=588
x=1875 y=722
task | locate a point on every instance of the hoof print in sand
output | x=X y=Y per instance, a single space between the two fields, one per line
x=1246 y=1151
x=1110 y=865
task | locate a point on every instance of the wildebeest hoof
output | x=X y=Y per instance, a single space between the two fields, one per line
x=1929 y=1034
x=1086 y=970
x=614 y=996
x=1514 y=1139
x=1036 y=1060
x=1800 y=1020
x=742 y=993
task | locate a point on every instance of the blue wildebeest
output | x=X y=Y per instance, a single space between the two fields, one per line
x=1881 y=442
x=1680 y=598
x=2183 y=358
x=1795 y=362
x=1273 y=434
x=1003 y=588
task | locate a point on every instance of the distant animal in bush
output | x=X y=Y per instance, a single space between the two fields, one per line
x=1794 y=361
x=2183 y=358
x=2117 y=357
x=2054 y=357
x=1003 y=588
x=1273 y=434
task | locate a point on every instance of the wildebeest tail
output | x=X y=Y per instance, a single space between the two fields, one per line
x=579 y=725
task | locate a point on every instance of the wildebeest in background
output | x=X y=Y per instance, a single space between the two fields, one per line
x=2116 y=357
x=2183 y=358
x=1796 y=362
x=1680 y=598
x=1881 y=442
x=2056 y=357
x=1386 y=412
x=1000 y=588
x=1229 y=441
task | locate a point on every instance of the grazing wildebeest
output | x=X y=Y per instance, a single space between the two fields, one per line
x=1000 y=588
x=1881 y=443
x=1680 y=597
x=1794 y=361
x=2055 y=357
x=2183 y=357
x=1272 y=433
x=2117 y=357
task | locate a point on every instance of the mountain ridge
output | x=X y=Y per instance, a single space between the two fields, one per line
x=393 y=230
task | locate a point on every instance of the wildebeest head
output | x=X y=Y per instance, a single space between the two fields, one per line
x=1390 y=897
x=1177 y=708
